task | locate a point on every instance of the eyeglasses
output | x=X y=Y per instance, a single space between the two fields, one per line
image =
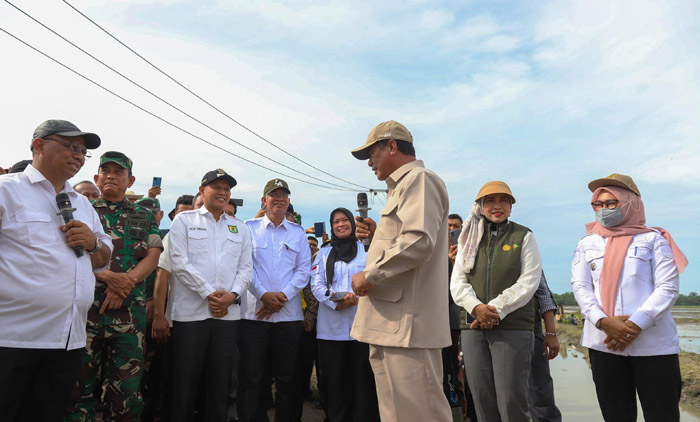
x=280 y=195
x=72 y=146
x=610 y=203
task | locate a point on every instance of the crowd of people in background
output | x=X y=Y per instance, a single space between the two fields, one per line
x=432 y=317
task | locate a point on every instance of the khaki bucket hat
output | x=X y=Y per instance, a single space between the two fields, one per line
x=381 y=132
x=494 y=187
x=615 y=179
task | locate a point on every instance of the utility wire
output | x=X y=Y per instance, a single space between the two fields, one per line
x=165 y=101
x=162 y=119
x=207 y=102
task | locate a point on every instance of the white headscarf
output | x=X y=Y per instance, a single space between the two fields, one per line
x=472 y=232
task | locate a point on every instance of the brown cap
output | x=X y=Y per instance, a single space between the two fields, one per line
x=494 y=187
x=620 y=180
x=381 y=132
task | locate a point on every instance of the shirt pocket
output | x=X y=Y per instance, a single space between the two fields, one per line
x=37 y=228
x=639 y=257
x=289 y=252
x=388 y=226
x=594 y=260
x=234 y=243
x=387 y=302
x=197 y=241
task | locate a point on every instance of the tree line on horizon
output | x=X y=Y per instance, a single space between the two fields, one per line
x=567 y=299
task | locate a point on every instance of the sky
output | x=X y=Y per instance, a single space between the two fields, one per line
x=545 y=96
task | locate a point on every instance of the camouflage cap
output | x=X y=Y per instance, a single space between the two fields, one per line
x=116 y=157
x=66 y=128
x=151 y=203
x=275 y=184
x=381 y=132
x=615 y=179
x=210 y=176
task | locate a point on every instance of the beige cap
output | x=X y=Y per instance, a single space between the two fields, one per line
x=494 y=187
x=381 y=132
x=130 y=195
x=620 y=180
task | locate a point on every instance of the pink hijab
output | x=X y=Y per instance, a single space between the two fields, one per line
x=619 y=239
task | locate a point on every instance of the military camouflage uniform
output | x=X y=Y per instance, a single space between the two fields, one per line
x=115 y=339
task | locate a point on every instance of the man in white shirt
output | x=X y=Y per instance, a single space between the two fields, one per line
x=272 y=322
x=47 y=288
x=212 y=266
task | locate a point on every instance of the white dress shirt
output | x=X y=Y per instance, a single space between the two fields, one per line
x=206 y=256
x=332 y=324
x=647 y=290
x=164 y=258
x=510 y=299
x=281 y=263
x=45 y=290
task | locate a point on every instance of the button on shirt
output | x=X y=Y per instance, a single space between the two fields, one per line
x=648 y=288
x=332 y=324
x=281 y=263
x=206 y=256
x=45 y=290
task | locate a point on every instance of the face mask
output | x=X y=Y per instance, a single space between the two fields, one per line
x=609 y=217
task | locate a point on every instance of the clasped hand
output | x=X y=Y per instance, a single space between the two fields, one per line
x=620 y=332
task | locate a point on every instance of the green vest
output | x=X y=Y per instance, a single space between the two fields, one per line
x=497 y=267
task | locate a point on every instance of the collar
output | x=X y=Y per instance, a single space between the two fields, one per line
x=398 y=174
x=266 y=222
x=35 y=176
x=101 y=202
x=204 y=211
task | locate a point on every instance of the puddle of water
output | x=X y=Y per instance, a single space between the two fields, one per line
x=575 y=392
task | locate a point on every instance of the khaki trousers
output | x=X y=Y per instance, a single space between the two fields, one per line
x=409 y=384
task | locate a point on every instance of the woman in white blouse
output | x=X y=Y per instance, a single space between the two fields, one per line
x=625 y=278
x=344 y=362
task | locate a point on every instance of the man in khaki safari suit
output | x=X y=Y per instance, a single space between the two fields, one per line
x=403 y=310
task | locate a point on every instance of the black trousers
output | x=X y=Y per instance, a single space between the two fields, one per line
x=36 y=384
x=203 y=353
x=351 y=395
x=277 y=346
x=656 y=379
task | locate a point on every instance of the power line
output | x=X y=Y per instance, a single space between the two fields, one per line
x=164 y=120
x=207 y=102
x=163 y=100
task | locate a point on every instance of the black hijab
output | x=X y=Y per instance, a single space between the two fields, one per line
x=344 y=249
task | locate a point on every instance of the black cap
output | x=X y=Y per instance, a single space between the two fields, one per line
x=290 y=208
x=218 y=174
x=66 y=128
x=19 y=166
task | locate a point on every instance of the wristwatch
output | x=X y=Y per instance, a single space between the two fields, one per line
x=238 y=298
x=98 y=246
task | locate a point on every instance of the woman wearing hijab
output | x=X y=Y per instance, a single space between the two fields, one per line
x=344 y=362
x=625 y=278
x=496 y=274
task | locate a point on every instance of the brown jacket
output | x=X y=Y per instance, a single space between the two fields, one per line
x=407 y=305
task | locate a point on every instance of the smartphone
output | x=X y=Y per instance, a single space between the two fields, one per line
x=338 y=296
x=319 y=229
x=156 y=181
x=238 y=202
x=454 y=236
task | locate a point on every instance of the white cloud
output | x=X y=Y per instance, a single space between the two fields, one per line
x=435 y=19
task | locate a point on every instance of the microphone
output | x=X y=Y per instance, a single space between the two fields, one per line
x=66 y=211
x=362 y=209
